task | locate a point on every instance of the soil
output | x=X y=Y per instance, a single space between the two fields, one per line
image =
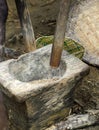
x=43 y=16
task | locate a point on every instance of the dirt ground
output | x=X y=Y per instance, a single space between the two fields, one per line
x=43 y=15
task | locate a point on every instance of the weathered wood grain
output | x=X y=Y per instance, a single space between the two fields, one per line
x=60 y=33
x=26 y=24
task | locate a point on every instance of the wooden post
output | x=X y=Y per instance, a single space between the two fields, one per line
x=26 y=25
x=59 y=33
x=3 y=18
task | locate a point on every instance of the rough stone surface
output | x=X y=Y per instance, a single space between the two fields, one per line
x=87 y=128
x=83 y=27
x=37 y=104
x=77 y=121
x=35 y=67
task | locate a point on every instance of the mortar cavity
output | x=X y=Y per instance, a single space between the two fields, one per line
x=35 y=67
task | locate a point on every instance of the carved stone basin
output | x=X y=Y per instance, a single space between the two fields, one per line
x=35 y=67
x=35 y=94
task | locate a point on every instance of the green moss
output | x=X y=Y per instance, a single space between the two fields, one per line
x=69 y=45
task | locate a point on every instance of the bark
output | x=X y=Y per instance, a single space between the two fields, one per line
x=26 y=25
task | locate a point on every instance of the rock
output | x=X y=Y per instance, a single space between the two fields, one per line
x=78 y=121
x=36 y=95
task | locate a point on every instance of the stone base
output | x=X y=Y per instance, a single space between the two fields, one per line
x=36 y=103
